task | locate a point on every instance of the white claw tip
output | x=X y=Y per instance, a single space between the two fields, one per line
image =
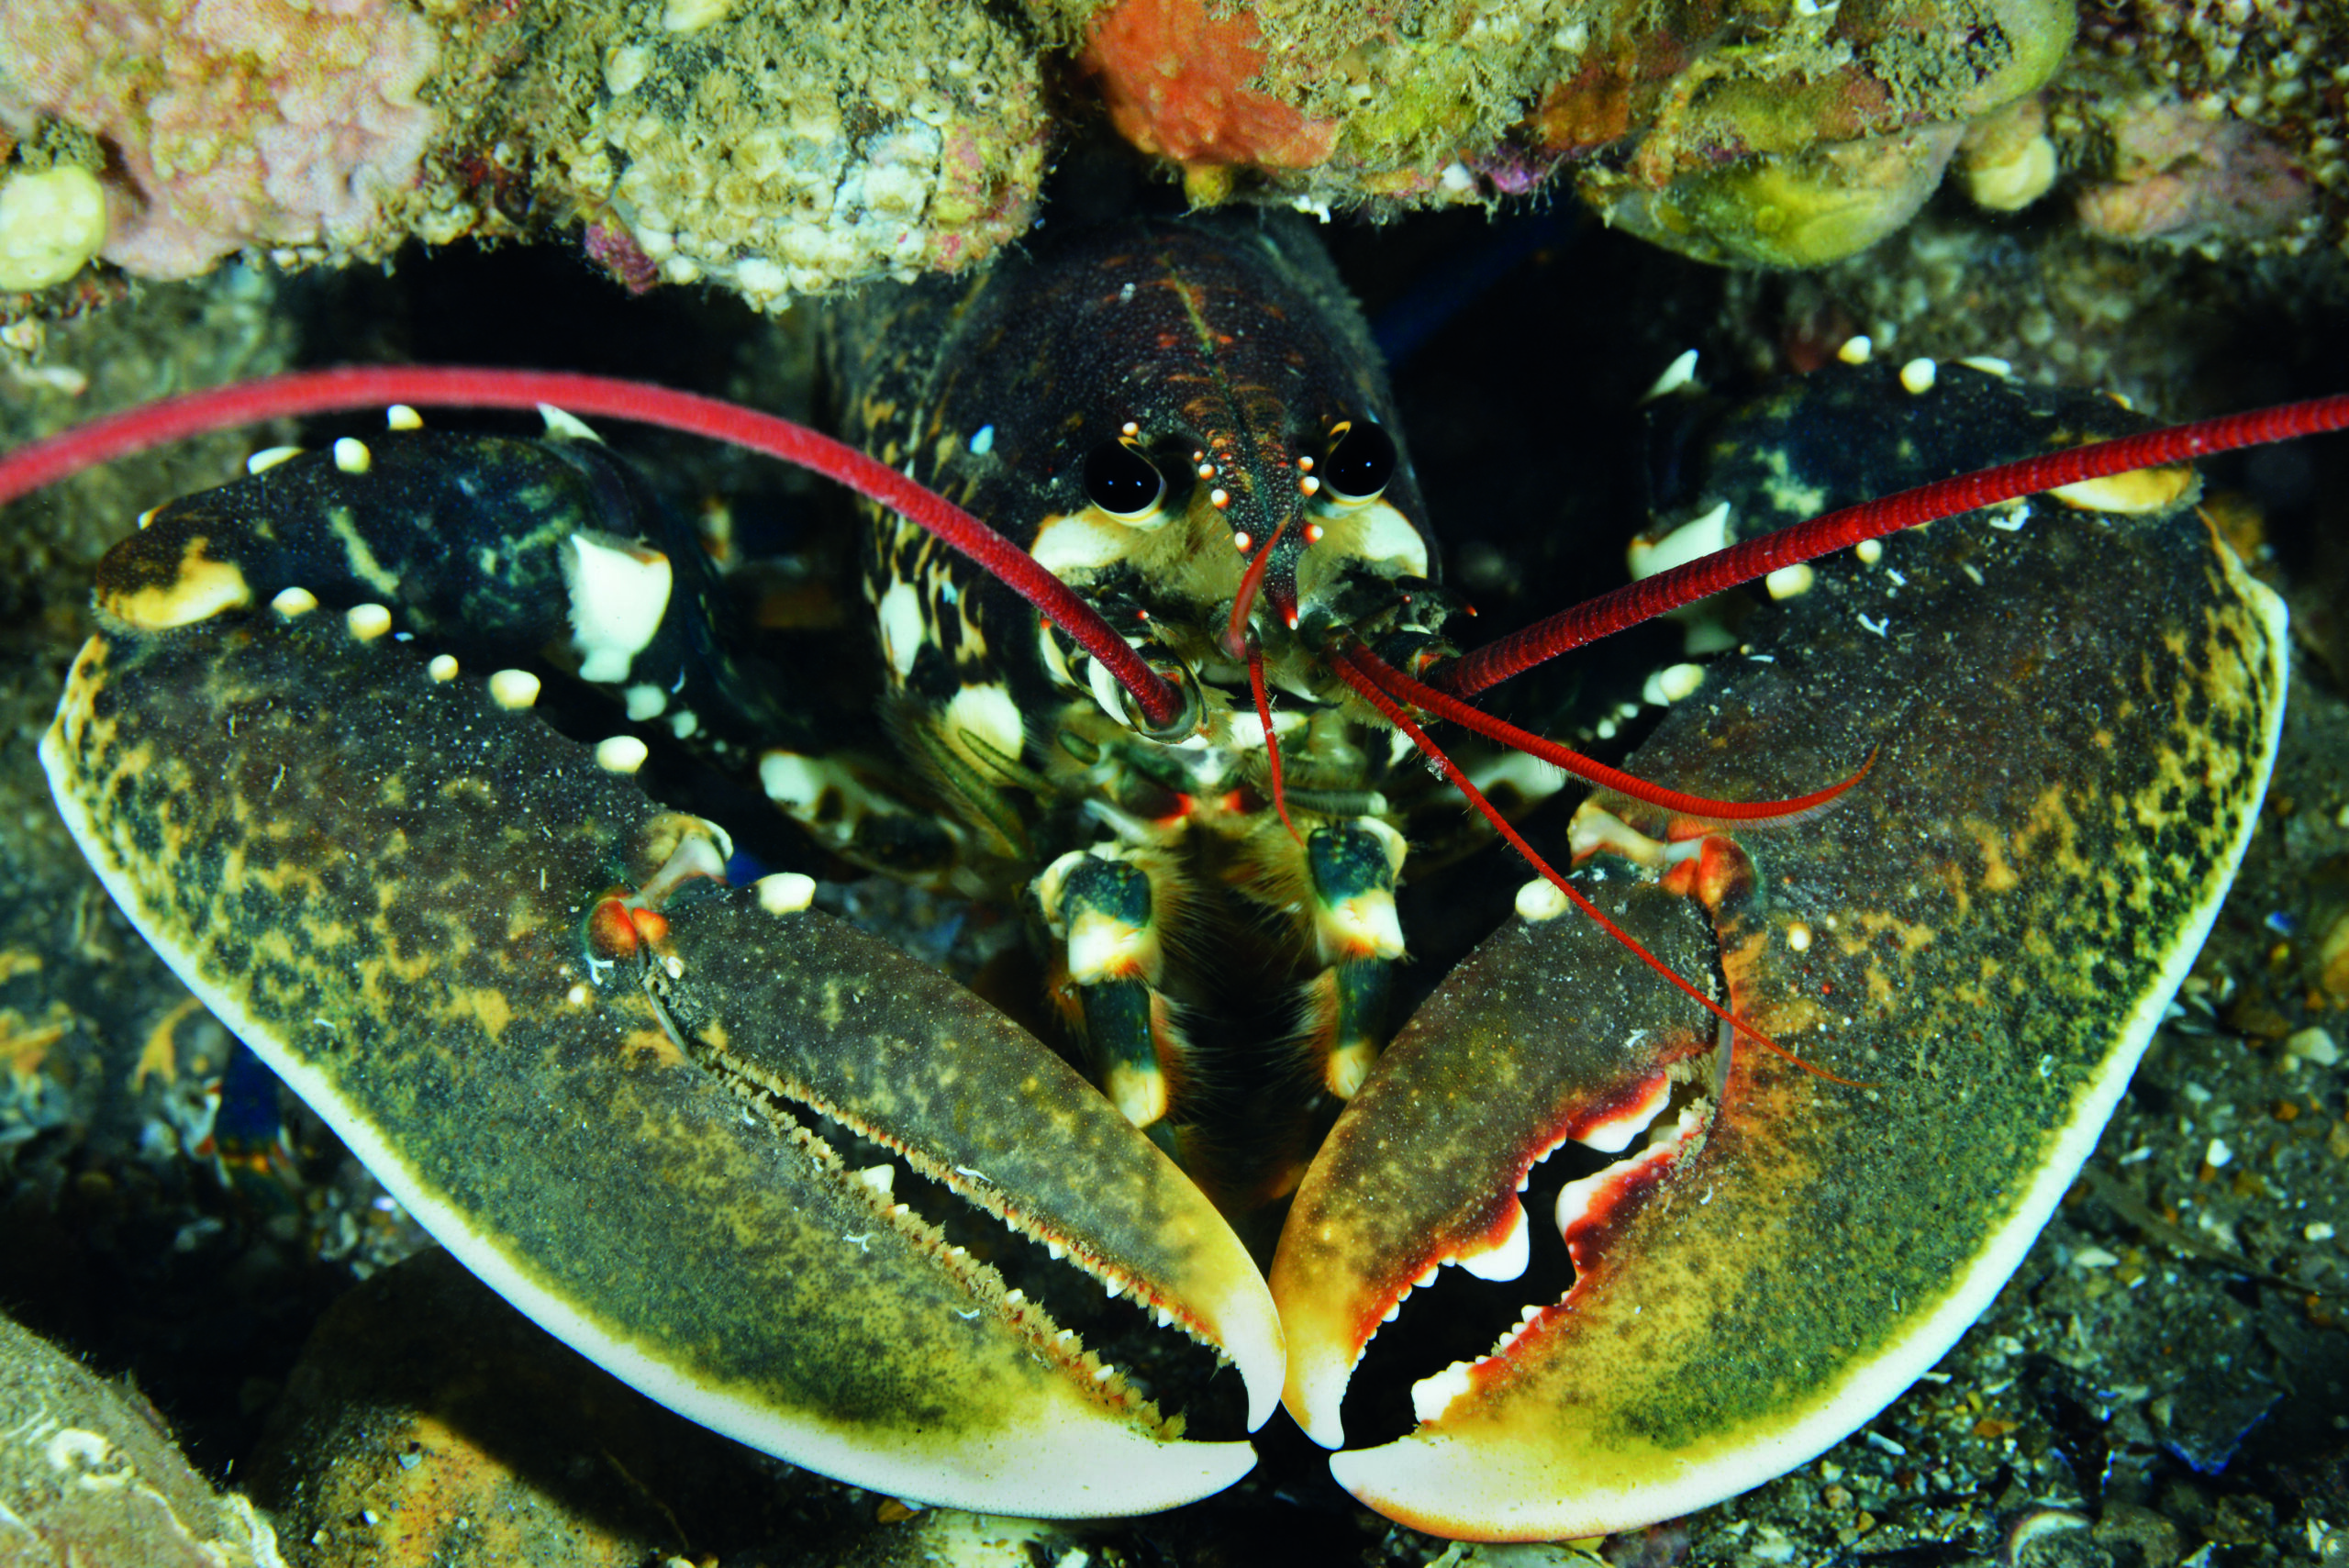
x=513 y=689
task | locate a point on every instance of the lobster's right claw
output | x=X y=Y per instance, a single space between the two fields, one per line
x=1543 y=1036
x=1982 y=940
x=379 y=877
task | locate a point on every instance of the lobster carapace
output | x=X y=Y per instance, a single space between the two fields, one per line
x=1185 y=421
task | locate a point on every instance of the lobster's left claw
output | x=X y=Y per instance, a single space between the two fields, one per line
x=2074 y=721
x=381 y=881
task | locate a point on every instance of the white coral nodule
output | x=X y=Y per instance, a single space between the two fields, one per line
x=50 y=223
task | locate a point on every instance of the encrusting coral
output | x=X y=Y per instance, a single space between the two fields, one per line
x=789 y=148
x=277 y=124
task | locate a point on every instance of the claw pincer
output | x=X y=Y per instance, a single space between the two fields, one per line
x=2074 y=712
x=387 y=880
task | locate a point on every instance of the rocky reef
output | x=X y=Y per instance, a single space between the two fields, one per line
x=782 y=150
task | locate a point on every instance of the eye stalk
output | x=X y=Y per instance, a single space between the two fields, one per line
x=1122 y=483
x=1360 y=462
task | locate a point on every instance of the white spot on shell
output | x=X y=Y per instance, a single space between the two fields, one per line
x=1671 y=683
x=1917 y=376
x=787 y=892
x=400 y=417
x=293 y=602
x=368 y=622
x=1869 y=551
x=513 y=689
x=620 y=753
x=1790 y=581
x=902 y=627
x=1857 y=348
x=443 y=667
x=268 y=458
x=351 y=455
x=1798 y=936
x=1539 y=900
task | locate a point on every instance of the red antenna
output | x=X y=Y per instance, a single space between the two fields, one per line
x=1637 y=602
x=346 y=387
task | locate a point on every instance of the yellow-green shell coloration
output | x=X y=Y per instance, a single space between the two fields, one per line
x=618 y=1091
x=379 y=878
x=2072 y=715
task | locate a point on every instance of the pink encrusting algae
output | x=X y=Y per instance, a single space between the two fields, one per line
x=229 y=123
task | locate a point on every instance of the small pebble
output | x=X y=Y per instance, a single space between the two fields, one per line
x=2314 y=1044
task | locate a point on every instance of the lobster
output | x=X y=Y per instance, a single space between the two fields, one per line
x=1889 y=986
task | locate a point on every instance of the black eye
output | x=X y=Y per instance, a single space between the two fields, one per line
x=1120 y=481
x=1360 y=462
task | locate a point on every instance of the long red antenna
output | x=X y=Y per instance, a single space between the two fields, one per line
x=1758 y=813
x=1636 y=602
x=1272 y=741
x=346 y=387
x=1358 y=668
x=1235 y=632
